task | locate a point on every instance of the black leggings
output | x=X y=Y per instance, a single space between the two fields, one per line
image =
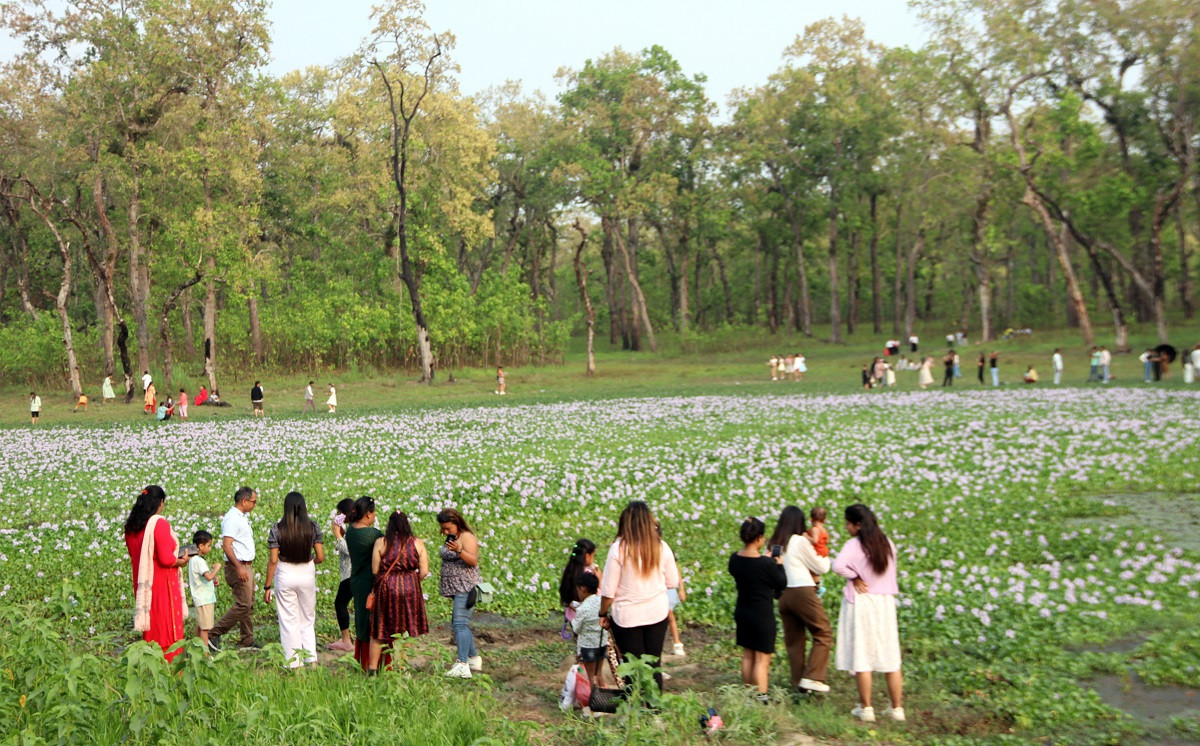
x=341 y=604
x=639 y=641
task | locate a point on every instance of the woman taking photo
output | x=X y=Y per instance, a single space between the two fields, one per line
x=759 y=579
x=159 y=607
x=867 y=637
x=800 y=609
x=360 y=542
x=460 y=576
x=400 y=564
x=341 y=602
x=639 y=569
x=296 y=548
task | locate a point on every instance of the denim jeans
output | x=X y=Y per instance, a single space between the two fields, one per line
x=1094 y=375
x=995 y=376
x=1147 y=371
x=1107 y=373
x=459 y=622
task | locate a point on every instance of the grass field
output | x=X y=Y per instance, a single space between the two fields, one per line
x=1025 y=572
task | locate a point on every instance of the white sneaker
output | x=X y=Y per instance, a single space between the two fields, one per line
x=460 y=670
x=865 y=714
x=679 y=650
x=814 y=686
x=666 y=676
x=475 y=663
x=895 y=713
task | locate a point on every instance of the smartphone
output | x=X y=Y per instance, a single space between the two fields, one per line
x=451 y=537
x=776 y=550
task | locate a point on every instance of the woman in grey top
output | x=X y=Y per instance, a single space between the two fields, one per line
x=345 y=594
x=460 y=576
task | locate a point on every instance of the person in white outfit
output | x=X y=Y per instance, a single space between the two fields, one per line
x=297 y=547
x=1057 y=358
x=331 y=402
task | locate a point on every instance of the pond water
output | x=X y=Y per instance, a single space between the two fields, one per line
x=1175 y=516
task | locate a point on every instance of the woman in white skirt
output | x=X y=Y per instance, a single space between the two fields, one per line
x=868 y=639
x=331 y=402
x=296 y=548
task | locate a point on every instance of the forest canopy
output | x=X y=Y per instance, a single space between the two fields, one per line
x=167 y=203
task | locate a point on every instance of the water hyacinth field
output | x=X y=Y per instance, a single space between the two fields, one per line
x=1022 y=575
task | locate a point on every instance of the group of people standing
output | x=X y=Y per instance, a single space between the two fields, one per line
x=380 y=572
x=788 y=367
x=868 y=637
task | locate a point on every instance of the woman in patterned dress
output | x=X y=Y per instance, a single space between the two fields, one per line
x=400 y=563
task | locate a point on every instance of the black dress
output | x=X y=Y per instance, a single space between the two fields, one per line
x=759 y=580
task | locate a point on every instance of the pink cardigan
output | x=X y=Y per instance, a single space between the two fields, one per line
x=852 y=563
x=638 y=600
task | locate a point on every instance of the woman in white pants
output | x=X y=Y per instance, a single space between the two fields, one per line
x=296 y=548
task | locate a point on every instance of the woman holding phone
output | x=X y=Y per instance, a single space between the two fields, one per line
x=759 y=580
x=460 y=577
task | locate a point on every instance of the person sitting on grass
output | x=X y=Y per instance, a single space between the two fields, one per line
x=591 y=644
x=1031 y=375
x=162 y=413
x=201 y=396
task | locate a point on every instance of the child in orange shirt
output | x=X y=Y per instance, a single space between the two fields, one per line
x=820 y=541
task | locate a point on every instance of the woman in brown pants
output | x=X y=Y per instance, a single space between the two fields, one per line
x=800 y=608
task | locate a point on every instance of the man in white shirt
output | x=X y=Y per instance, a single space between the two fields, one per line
x=1105 y=364
x=237 y=540
x=35 y=406
x=308 y=398
x=1058 y=366
x=146 y=379
x=913 y=342
x=1196 y=362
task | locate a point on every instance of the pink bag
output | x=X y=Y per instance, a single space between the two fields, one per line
x=583 y=687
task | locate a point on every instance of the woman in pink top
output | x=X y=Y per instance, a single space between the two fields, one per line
x=867 y=636
x=633 y=591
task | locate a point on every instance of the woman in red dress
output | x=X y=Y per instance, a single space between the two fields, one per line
x=159 y=604
x=400 y=563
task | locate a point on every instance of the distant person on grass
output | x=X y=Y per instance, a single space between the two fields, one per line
x=801 y=366
x=400 y=562
x=772 y=365
x=341 y=602
x=800 y=607
x=150 y=398
x=925 y=373
x=162 y=412
x=994 y=364
x=202 y=396
x=1057 y=360
x=981 y=364
x=146 y=379
x=459 y=582
x=237 y=542
x=256 y=399
x=296 y=547
x=500 y=388
x=183 y=404
x=1031 y=375
x=159 y=604
x=948 y=369
x=309 y=406
x=106 y=391
x=759 y=581
x=360 y=541
x=202 y=581
x=331 y=402
x=82 y=402
x=1105 y=364
x=1094 y=366
x=639 y=569
x=868 y=638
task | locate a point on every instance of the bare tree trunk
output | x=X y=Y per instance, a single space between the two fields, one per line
x=20 y=245
x=589 y=312
x=189 y=332
x=256 y=342
x=639 y=299
x=876 y=277
x=898 y=282
x=1185 y=274
x=164 y=328
x=725 y=289
x=1034 y=202
x=852 y=285
x=772 y=261
x=910 y=283
x=835 y=300
x=798 y=236
x=139 y=277
x=607 y=255
x=64 y=290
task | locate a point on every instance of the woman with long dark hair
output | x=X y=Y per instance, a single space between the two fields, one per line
x=868 y=638
x=297 y=547
x=400 y=563
x=633 y=594
x=159 y=606
x=459 y=580
x=800 y=608
x=360 y=541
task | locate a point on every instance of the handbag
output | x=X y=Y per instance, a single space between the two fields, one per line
x=603 y=699
x=370 y=603
x=486 y=592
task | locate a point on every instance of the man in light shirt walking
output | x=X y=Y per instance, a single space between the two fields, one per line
x=1058 y=366
x=308 y=399
x=237 y=540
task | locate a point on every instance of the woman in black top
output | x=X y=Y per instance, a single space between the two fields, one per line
x=759 y=580
x=982 y=362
